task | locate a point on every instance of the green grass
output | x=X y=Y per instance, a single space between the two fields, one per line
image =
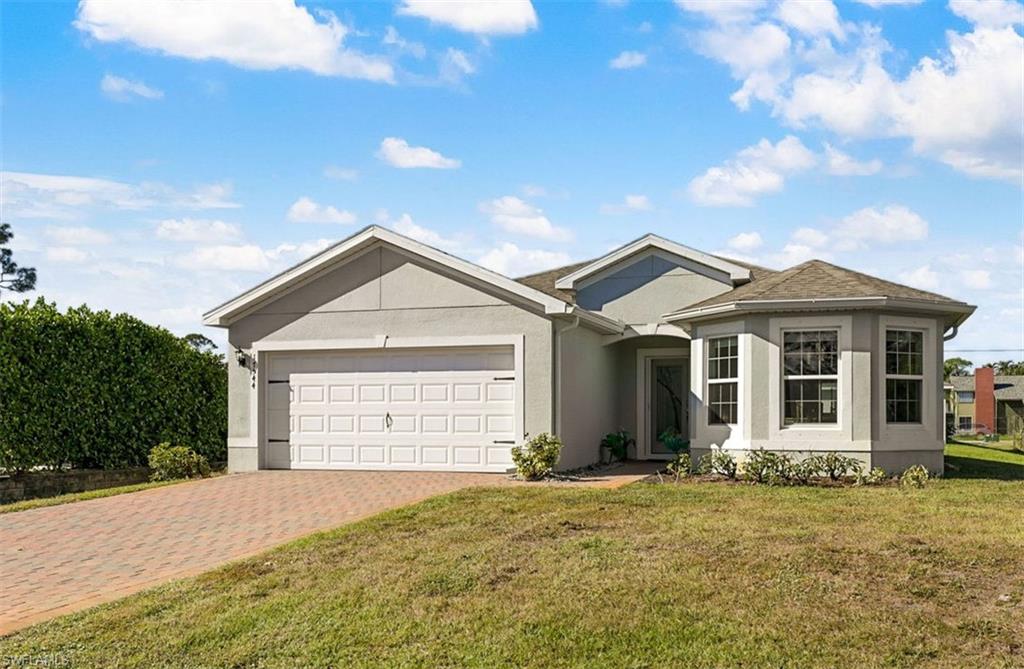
x=689 y=575
x=40 y=502
x=995 y=460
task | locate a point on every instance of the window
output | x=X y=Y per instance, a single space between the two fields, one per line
x=810 y=377
x=904 y=375
x=966 y=423
x=723 y=376
x=965 y=397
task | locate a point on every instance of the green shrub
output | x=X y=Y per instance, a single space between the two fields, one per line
x=807 y=469
x=679 y=467
x=914 y=477
x=876 y=476
x=537 y=457
x=761 y=466
x=176 y=462
x=617 y=444
x=674 y=441
x=717 y=462
x=92 y=389
x=837 y=466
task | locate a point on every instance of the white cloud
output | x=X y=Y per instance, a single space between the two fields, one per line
x=886 y=3
x=795 y=253
x=397 y=153
x=923 y=277
x=266 y=35
x=533 y=190
x=723 y=12
x=810 y=237
x=893 y=223
x=842 y=164
x=66 y=254
x=197 y=230
x=510 y=260
x=628 y=60
x=226 y=257
x=29 y=195
x=989 y=13
x=454 y=66
x=305 y=210
x=122 y=90
x=811 y=18
x=340 y=173
x=402 y=45
x=508 y=17
x=406 y=226
x=757 y=170
x=977 y=278
x=746 y=242
x=961 y=107
x=289 y=253
x=629 y=203
x=514 y=215
x=77 y=236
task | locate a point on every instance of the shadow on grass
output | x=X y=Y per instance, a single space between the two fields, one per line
x=959 y=467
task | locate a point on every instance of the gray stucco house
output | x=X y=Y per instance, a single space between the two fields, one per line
x=381 y=352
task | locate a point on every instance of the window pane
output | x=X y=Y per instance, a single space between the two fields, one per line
x=903 y=400
x=722 y=403
x=811 y=401
x=723 y=362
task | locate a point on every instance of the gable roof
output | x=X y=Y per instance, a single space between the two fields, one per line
x=737 y=273
x=820 y=283
x=297 y=275
x=1006 y=387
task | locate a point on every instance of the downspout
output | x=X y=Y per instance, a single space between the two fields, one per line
x=557 y=404
x=947 y=337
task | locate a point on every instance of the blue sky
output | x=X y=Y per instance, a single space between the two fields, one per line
x=158 y=158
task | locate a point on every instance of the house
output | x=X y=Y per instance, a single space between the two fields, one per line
x=381 y=352
x=987 y=403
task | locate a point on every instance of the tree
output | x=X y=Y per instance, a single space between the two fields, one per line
x=199 y=342
x=956 y=367
x=13 y=278
x=1007 y=368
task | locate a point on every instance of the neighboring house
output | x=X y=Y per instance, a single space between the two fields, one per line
x=987 y=403
x=381 y=352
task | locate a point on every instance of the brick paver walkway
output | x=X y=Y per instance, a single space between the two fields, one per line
x=59 y=559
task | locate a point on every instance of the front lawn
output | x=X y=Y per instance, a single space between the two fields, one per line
x=995 y=460
x=689 y=575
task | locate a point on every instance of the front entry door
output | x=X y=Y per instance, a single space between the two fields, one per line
x=668 y=389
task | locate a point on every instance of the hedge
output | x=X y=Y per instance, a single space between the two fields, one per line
x=88 y=389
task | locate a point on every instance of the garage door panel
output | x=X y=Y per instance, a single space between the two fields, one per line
x=438 y=409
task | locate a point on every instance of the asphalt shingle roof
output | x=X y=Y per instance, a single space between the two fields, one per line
x=1006 y=387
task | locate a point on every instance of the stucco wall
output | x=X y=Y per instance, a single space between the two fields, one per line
x=384 y=292
x=586 y=404
x=642 y=290
x=861 y=431
x=626 y=364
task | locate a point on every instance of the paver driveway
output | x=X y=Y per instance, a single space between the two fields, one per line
x=59 y=559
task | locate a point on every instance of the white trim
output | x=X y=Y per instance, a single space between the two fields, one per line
x=647 y=330
x=704 y=435
x=262 y=349
x=842 y=429
x=736 y=273
x=928 y=434
x=288 y=280
x=747 y=306
x=644 y=357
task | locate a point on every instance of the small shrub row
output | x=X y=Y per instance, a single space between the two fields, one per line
x=537 y=457
x=772 y=468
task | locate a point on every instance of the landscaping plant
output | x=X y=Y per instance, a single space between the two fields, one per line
x=617 y=444
x=761 y=466
x=679 y=467
x=876 y=476
x=176 y=462
x=674 y=441
x=717 y=462
x=537 y=457
x=914 y=477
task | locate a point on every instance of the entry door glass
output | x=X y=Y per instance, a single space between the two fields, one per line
x=669 y=407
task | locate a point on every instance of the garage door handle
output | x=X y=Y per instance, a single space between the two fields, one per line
x=504 y=378
x=388 y=420
x=504 y=441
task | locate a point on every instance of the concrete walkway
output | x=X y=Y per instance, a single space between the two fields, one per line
x=59 y=559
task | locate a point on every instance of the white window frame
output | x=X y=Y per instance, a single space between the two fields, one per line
x=931 y=430
x=809 y=377
x=960 y=423
x=810 y=436
x=903 y=377
x=710 y=382
x=961 y=393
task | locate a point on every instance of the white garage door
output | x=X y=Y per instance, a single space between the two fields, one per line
x=429 y=409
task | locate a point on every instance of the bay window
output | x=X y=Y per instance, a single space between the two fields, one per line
x=904 y=375
x=810 y=377
x=723 y=380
